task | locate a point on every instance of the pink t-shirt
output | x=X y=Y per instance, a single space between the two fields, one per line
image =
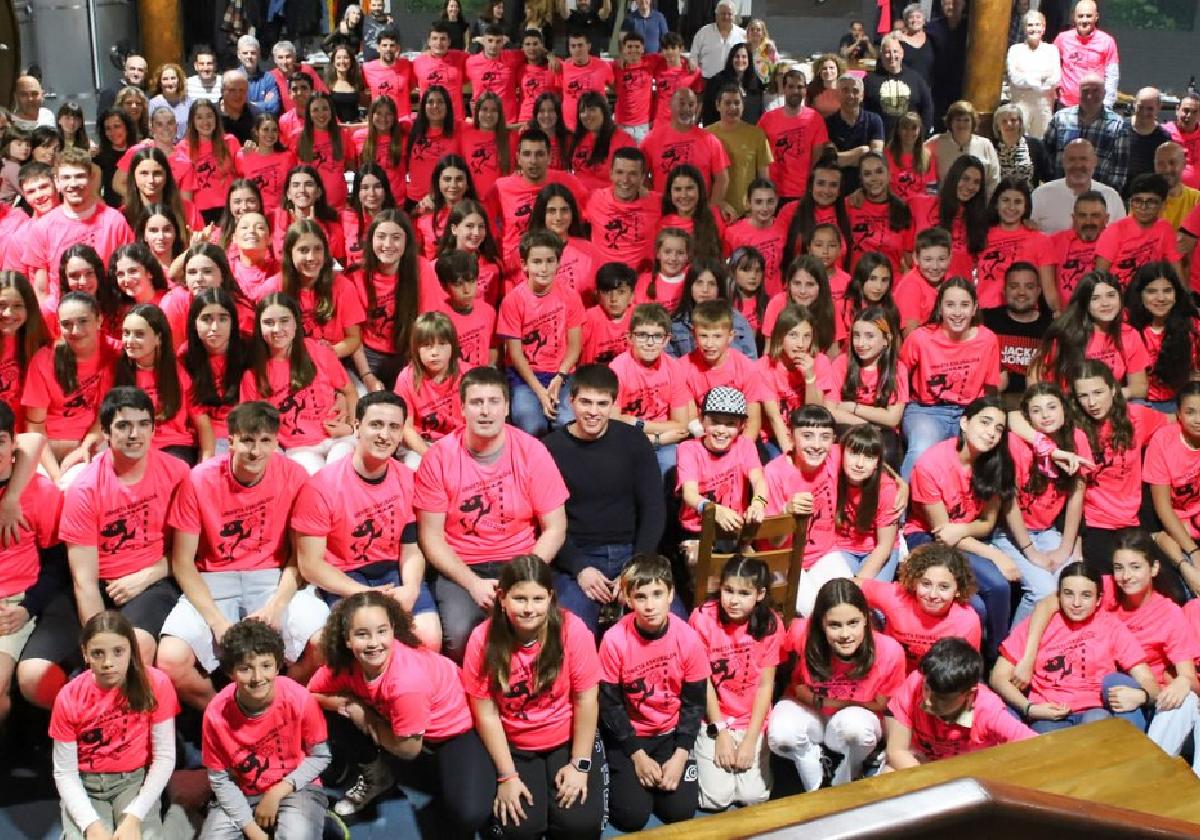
x=217 y=414
x=419 y=693
x=667 y=293
x=541 y=322
x=1130 y=357
x=269 y=174
x=795 y=142
x=41 y=504
x=649 y=392
x=1041 y=511
x=786 y=386
x=651 y=673
x=634 y=84
x=70 y=416
x=395 y=169
x=302 y=413
x=868 y=382
x=914 y=296
x=541 y=721
x=596 y=75
x=332 y=169
x=1152 y=339
x=915 y=629
x=491 y=510
x=46 y=238
x=1003 y=248
x=363 y=522
x=204 y=176
x=125 y=523
x=446 y=70
x=723 y=478
x=175 y=430
x=1074 y=258
x=1128 y=246
x=939 y=476
x=1172 y=463
x=393 y=80
x=423 y=155
x=870 y=231
x=499 y=76
x=770 y=242
x=885 y=675
x=109 y=737
x=379 y=319
x=476 y=330
x=533 y=82
x=241 y=528
x=597 y=176
x=623 y=231
x=1082 y=56
x=603 y=338
x=348 y=310
x=665 y=148
x=847 y=537
x=734 y=371
x=1160 y=627
x=991 y=724
x=259 y=751
x=510 y=203
x=1073 y=658
x=435 y=408
x=785 y=479
x=951 y=372
x=736 y=660
x=1113 y=493
x=670 y=79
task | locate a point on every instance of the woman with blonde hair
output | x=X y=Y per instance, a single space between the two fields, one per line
x=1034 y=69
x=822 y=91
x=763 y=54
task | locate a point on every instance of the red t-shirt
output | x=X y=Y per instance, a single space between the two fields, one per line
x=649 y=392
x=596 y=75
x=348 y=310
x=734 y=371
x=1152 y=338
x=939 y=476
x=1128 y=246
x=870 y=231
x=446 y=70
x=909 y=184
x=511 y=200
x=915 y=629
x=736 y=660
x=46 y=238
x=770 y=242
x=363 y=522
x=1160 y=627
x=635 y=91
x=794 y=143
x=722 y=477
x=603 y=338
x=665 y=148
x=109 y=737
x=535 y=80
x=885 y=675
x=596 y=176
x=1113 y=493
x=498 y=76
x=492 y=510
x=241 y=528
x=1074 y=258
x=651 y=673
x=1172 y=463
x=623 y=231
x=667 y=80
x=434 y=408
x=990 y=722
x=785 y=480
x=476 y=330
x=260 y=751
x=541 y=721
x=419 y=693
x=302 y=413
x=1073 y=658
x=331 y=169
x=396 y=170
x=393 y=80
x=204 y=176
x=217 y=415
x=41 y=504
x=847 y=537
x=424 y=155
x=951 y=372
x=70 y=416
x=786 y=386
x=541 y=322
x=1039 y=512
x=1003 y=248
x=868 y=382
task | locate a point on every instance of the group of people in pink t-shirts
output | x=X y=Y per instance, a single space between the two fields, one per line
x=382 y=453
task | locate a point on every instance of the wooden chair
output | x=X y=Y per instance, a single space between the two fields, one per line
x=785 y=563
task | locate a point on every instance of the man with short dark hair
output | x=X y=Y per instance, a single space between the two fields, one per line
x=1019 y=324
x=623 y=217
x=582 y=72
x=1075 y=248
x=747 y=146
x=796 y=133
x=391 y=74
x=439 y=64
x=206 y=83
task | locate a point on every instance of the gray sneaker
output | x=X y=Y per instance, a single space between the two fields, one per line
x=374 y=780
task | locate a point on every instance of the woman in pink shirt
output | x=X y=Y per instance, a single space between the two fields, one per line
x=268 y=162
x=532 y=677
x=685 y=206
x=327 y=146
x=845 y=672
x=869 y=385
x=431 y=138
x=22 y=334
x=213 y=360
x=1163 y=312
x=430 y=382
x=449 y=183
x=879 y=219
x=1010 y=240
x=386 y=282
x=1075 y=675
x=249 y=254
x=488 y=143
x=913 y=165
x=152 y=182
x=871 y=284
x=596 y=137
x=137 y=275
x=793 y=373
x=370 y=194
x=211 y=155
x=467 y=229
x=867 y=521
x=382 y=142
x=1092 y=326
x=557 y=210
x=304 y=199
x=961 y=209
x=242 y=197
x=821 y=204
x=203 y=266
x=806 y=283
x=160 y=231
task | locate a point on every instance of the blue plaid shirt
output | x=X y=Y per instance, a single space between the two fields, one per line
x=1108 y=134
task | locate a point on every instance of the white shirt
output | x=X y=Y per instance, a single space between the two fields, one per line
x=197 y=90
x=1033 y=71
x=709 y=49
x=947 y=151
x=45 y=118
x=1054 y=201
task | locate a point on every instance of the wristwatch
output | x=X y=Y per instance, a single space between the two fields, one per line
x=715 y=729
x=581 y=764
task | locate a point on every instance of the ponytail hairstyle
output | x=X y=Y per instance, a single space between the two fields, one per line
x=502 y=640
x=746 y=258
x=290 y=275
x=806 y=210
x=974 y=212
x=465 y=207
x=706 y=238
x=818 y=655
x=138 y=693
x=1121 y=427
x=1064 y=439
x=1065 y=343
x=863 y=439
x=305 y=147
x=394 y=138
x=935 y=315
x=900 y=216
x=405 y=294
x=697 y=269
x=302 y=370
x=992 y=471
x=663 y=236
x=762 y=621
x=433 y=328
x=537 y=219
x=32 y=335
x=334 y=645
x=885 y=365
x=166 y=374
x=822 y=307
x=66 y=366
x=205 y=390
x=1180 y=340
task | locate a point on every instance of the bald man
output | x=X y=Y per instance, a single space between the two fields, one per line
x=1145 y=132
x=1054 y=201
x=1100 y=125
x=1170 y=162
x=28 y=112
x=683 y=141
x=1086 y=49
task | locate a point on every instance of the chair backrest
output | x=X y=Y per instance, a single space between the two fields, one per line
x=784 y=559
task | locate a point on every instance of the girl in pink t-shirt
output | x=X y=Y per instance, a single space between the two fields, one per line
x=468 y=230
x=746 y=289
x=113 y=728
x=243 y=197
x=870 y=285
x=763 y=229
x=844 y=674
x=449 y=183
x=869 y=386
x=212 y=361
x=304 y=197
x=1092 y=326
x=1075 y=675
x=327 y=146
x=879 y=219
x=211 y=158
x=22 y=334
x=163 y=236
x=80 y=269
x=148 y=362
x=866 y=521
x=961 y=209
x=706 y=280
x=369 y=195
x=267 y=163
x=557 y=210
x=531 y=674
x=1161 y=309
x=686 y=206
x=1172 y=470
x=1009 y=241
x=387 y=290
x=806 y=284
x=204 y=266
x=664 y=282
x=382 y=142
x=793 y=373
x=742 y=635
x=249 y=254
x=825 y=242
x=137 y=275
x=390 y=698
x=429 y=383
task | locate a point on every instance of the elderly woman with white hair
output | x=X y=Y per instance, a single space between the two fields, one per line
x=959 y=138
x=918 y=49
x=1022 y=156
x=1034 y=69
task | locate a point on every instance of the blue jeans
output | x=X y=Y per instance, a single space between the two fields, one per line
x=925 y=425
x=992 y=602
x=1137 y=717
x=1036 y=582
x=609 y=560
x=526 y=411
x=856 y=559
x=1168 y=407
x=386 y=573
x=665 y=453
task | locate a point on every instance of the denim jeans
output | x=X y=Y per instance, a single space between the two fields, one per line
x=925 y=425
x=1036 y=582
x=666 y=456
x=526 y=410
x=1137 y=717
x=609 y=560
x=1168 y=407
x=856 y=559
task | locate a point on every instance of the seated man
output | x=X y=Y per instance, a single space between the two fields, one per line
x=233 y=557
x=354 y=520
x=114 y=526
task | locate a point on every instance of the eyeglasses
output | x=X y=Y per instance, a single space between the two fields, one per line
x=1145 y=201
x=649 y=338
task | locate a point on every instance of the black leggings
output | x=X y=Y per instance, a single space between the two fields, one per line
x=543 y=816
x=630 y=804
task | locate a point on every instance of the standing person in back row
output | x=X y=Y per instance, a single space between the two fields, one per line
x=713 y=41
x=893 y=89
x=1085 y=50
x=796 y=134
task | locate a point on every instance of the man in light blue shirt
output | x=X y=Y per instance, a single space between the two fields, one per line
x=264 y=92
x=647 y=22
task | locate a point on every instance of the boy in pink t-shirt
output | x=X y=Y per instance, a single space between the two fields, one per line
x=605 y=329
x=264 y=741
x=474 y=319
x=916 y=291
x=654 y=674
x=1141 y=237
x=716 y=363
x=540 y=324
x=942 y=711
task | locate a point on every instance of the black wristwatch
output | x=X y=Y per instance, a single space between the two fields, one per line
x=715 y=729
x=581 y=764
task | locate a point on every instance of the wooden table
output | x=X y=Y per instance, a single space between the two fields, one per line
x=1109 y=762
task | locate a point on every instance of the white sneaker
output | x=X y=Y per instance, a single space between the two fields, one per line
x=374 y=780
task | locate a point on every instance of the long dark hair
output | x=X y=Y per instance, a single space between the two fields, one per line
x=135 y=208
x=885 y=365
x=501 y=134
x=420 y=125
x=1019 y=185
x=304 y=148
x=1065 y=343
x=537 y=218
x=502 y=640
x=131 y=131
x=66 y=366
x=445 y=162
x=139 y=252
x=1121 y=434
x=405 y=294
x=822 y=307
x=974 y=212
x=394 y=138
x=899 y=214
x=1064 y=439
x=603 y=142
x=1176 y=358
x=152 y=210
x=337 y=652
x=863 y=439
x=696 y=269
x=855 y=298
x=108 y=298
x=746 y=258
x=354 y=202
x=818 y=655
x=561 y=136
x=706 y=240
x=290 y=281
x=762 y=621
x=138 y=693
x=166 y=374
x=205 y=390
x=806 y=212
x=220 y=151
x=301 y=367
x=461 y=210
x=227 y=222
x=991 y=471
x=935 y=315
x=32 y=335
x=321 y=208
